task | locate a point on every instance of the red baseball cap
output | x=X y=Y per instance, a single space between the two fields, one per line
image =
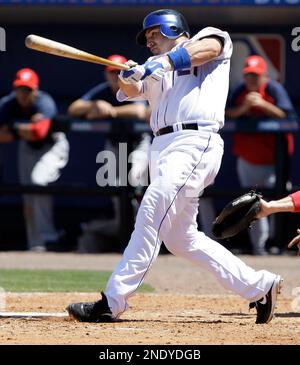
x=26 y=77
x=256 y=65
x=115 y=58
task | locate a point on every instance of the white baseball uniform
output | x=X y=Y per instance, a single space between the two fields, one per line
x=182 y=164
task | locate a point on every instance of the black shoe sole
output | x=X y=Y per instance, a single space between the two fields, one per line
x=276 y=289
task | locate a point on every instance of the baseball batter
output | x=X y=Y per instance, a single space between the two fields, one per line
x=186 y=84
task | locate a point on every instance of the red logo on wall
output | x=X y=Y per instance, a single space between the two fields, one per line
x=269 y=46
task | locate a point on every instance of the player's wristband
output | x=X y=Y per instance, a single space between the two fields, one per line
x=180 y=59
x=40 y=129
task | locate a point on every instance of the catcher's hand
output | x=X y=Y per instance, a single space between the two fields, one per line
x=238 y=215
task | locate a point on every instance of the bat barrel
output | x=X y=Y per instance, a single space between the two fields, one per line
x=41 y=44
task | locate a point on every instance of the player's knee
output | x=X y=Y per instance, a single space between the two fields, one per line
x=174 y=249
x=179 y=243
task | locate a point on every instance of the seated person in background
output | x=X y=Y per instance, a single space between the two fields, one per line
x=258 y=97
x=100 y=103
x=24 y=115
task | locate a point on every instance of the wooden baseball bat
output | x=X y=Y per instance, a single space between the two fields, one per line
x=60 y=49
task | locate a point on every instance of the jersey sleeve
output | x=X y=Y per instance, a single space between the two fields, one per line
x=95 y=92
x=46 y=106
x=211 y=31
x=282 y=100
x=3 y=112
x=234 y=94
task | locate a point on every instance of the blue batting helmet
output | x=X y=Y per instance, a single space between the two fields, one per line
x=172 y=24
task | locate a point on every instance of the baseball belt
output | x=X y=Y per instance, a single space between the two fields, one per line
x=171 y=129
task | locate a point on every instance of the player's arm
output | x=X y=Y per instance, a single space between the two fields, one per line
x=204 y=50
x=193 y=54
x=36 y=130
x=90 y=103
x=101 y=109
x=282 y=106
x=276 y=206
x=79 y=108
x=39 y=125
x=272 y=110
x=255 y=99
x=132 y=90
x=91 y=109
x=6 y=136
x=290 y=203
x=296 y=240
x=131 y=111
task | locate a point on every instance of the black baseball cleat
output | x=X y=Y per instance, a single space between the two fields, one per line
x=91 y=311
x=265 y=306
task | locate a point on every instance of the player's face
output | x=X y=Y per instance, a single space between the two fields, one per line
x=25 y=96
x=158 y=43
x=253 y=81
x=112 y=79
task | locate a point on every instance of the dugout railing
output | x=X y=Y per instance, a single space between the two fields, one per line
x=125 y=131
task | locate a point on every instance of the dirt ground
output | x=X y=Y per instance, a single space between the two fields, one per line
x=188 y=307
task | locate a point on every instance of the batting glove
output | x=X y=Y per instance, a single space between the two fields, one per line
x=131 y=63
x=133 y=75
x=155 y=69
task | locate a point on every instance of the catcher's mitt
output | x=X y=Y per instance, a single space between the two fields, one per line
x=237 y=215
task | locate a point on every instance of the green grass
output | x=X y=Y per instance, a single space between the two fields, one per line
x=19 y=280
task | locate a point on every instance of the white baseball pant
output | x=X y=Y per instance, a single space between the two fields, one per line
x=182 y=164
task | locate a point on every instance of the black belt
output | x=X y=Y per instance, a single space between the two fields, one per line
x=171 y=129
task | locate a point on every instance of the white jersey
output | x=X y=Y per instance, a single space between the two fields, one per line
x=196 y=95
